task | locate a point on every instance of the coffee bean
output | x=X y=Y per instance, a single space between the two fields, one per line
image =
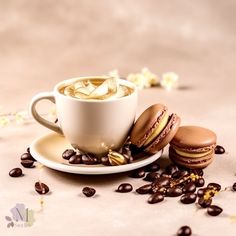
x=88 y=191
x=188 y=198
x=198 y=172
x=139 y=173
x=214 y=210
x=164 y=174
x=200 y=182
x=145 y=189
x=105 y=161
x=234 y=187
x=68 y=153
x=124 y=188
x=171 y=169
x=27 y=163
x=155 y=198
x=162 y=181
x=152 y=167
x=158 y=189
x=178 y=174
x=201 y=192
x=126 y=151
x=215 y=186
x=89 y=159
x=41 y=188
x=174 y=192
x=26 y=156
x=28 y=150
x=184 y=231
x=16 y=172
x=75 y=159
x=189 y=188
x=151 y=176
x=219 y=149
x=204 y=203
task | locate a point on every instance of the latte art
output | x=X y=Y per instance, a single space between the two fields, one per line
x=98 y=89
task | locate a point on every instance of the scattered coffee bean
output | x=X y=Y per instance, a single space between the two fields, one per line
x=158 y=189
x=26 y=156
x=162 y=181
x=124 y=188
x=68 y=153
x=89 y=159
x=215 y=186
x=200 y=182
x=201 y=192
x=174 y=192
x=234 y=187
x=151 y=176
x=214 y=210
x=126 y=151
x=105 y=161
x=164 y=174
x=41 y=188
x=204 y=203
x=219 y=149
x=198 y=172
x=179 y=174
x=75 y=159
x=88 y=191
x=145 y=189
x=171 y=169
x=139 y=173
x=16 y=172
x=184 y=231
x=189 y=188
x=27 y=163
x=152 y=167
x=188 y=198
x=155 y=198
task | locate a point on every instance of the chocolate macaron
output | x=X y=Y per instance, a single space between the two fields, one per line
x=154 y=129
x=193 y=147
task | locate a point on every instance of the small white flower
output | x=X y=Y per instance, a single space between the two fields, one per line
x=169 y=81
x=4 y=121
x=151 y=78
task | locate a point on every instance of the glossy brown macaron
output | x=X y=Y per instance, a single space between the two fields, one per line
x=154 y=129
x=193 y=147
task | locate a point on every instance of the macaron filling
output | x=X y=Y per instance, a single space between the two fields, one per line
x=193 y=155
x=162 y=124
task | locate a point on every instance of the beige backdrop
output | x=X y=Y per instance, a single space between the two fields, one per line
x=43 y=42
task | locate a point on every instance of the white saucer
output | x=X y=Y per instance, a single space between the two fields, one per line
x=48 y=149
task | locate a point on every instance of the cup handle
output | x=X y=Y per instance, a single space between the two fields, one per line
x=38 y=97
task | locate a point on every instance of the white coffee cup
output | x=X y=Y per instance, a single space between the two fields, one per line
x=90 y=125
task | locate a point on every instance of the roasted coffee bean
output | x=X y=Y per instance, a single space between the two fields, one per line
x=158 y=189
x=16 y=172
x=178 y=174
x=75 y=159
x=155 y=198
x=200 y=182
x=188 y=198
x=27 y=163
x=189 y=188
x=105 y=161
x=204 y=203
x=174 y=192
x=152 y=176
x=68 y=153
x=26 y=156
x=28 y=150
x=215 y=186
x=197 y=172
x=145 y=189
x=152 y=167
x=171 y=169
x=135 y=150
x=124 y=188
x=184 y=231
x=88 y=191
x=162 y=181
x=214 y=210
x=139 y=173
x=201 y=192
x=126 y=151
x=41 y=188
x=219 y=149
x=234 y=187
x=89 y=159
x=164 y=174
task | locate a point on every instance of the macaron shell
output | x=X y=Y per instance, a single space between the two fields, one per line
x=191 y=163
x=165 y=136
x=193 y=150
x=146 y=124
x=194 y=137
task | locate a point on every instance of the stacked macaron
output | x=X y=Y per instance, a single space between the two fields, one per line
x=154 y=129
x=193 y=147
